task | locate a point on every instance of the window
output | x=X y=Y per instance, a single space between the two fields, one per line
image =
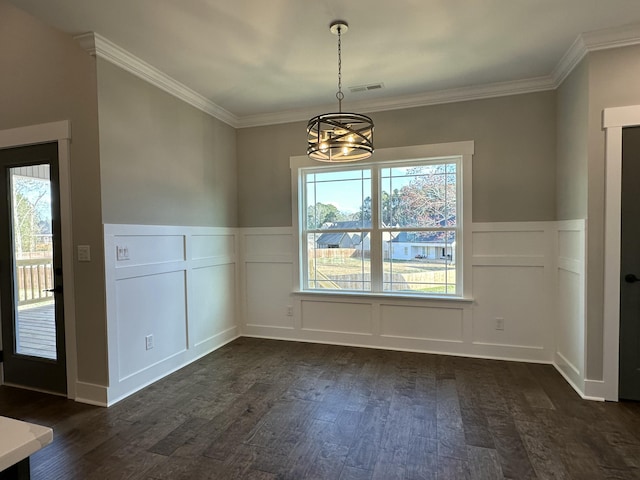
x=394 y=226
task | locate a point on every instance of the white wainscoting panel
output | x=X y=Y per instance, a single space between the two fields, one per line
x=336 y=317
x=512 y=242
x=422 y=323
x=267 y=280
x=268 y=292
x=570 y=303
x=212 y=302
x=163 y=249
x=514 y=294
x=150 y=305
x=513 y=278
x=179 y=285
x=195 y=289
x=212 y=246
x=513 y=283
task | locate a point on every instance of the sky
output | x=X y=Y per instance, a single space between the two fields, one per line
x=346 y=190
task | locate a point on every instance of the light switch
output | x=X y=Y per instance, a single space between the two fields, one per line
x=122 y=253
x=84 y=253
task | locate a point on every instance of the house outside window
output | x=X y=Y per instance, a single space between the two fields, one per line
x=388 y=227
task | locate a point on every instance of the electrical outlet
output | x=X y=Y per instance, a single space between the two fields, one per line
x=84 y=253
x=499 y=323
x=122 y=253
x=148 y=341
x=289 y=311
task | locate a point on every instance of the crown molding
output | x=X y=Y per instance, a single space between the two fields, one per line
x=105 y=49
x=624 y=36
x=479 y=92
x=608 y=38
x=570 y=60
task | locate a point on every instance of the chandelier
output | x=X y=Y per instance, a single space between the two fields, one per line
x=341 y=136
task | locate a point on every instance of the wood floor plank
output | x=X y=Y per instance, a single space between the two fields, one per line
x=483 y=464
x=422 y=459
x=450 y=430
x=328 y=463
x=306 y=451
x=449 y=468
x=362 y=454
x=266 y=409
x=391 y=464
x=353 y=473
x=344 y=429
x=542 y=450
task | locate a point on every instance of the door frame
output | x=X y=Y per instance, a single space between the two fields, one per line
x=613 y=121
x=59 y=132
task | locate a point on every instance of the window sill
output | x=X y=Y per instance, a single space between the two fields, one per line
x=386 y=296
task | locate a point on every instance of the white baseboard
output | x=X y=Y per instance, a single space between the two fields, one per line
x=595 y=390
x=570 y=374
x=91 y=394
x=443 y=351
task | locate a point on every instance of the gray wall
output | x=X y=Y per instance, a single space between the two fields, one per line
x=47 y=77
x=514 y=168
x=613 y=82
x=163 y=162
x=572 y=151
x=264 y=178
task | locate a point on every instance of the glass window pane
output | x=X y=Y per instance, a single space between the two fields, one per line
x=419 y=196
x=339 y=261
x=419 y=262
x=412 y=198
x=334 y=197
x=32 y=240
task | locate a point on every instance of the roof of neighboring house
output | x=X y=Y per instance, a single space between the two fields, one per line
x=336 y=238
x=331 y=238
x=422 y=237
x=351 y=224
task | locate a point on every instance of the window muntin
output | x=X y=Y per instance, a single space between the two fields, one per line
x=387 y=228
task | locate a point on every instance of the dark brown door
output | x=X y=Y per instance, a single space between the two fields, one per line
x=629 y=384
x=31 y=269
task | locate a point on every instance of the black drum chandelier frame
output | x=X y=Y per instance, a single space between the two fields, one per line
x=340 y=136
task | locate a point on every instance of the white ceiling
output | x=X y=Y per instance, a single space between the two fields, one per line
x=261 y=58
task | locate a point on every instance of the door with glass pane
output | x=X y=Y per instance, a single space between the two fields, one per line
x=31 y=269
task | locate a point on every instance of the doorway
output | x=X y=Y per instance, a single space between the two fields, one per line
x=31 y=301
x=614 y=121
x=629 y=376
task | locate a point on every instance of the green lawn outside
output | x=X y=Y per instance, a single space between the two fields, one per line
x=424 y=276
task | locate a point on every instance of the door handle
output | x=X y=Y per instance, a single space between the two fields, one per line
x=631 y=278
x=57 y=289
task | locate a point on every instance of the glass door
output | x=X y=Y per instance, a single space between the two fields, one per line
x=31 y=295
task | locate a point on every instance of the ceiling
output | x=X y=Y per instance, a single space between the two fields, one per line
x=261 y=59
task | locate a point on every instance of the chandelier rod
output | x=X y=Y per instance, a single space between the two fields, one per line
x=339 y=94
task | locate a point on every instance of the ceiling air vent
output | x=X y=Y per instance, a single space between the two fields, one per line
x=366 y=88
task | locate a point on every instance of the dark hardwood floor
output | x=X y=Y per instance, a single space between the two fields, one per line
x=264 y=409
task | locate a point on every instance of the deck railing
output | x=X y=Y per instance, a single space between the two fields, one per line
x=34 y=277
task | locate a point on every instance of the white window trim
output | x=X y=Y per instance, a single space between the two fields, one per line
x=465 y=150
